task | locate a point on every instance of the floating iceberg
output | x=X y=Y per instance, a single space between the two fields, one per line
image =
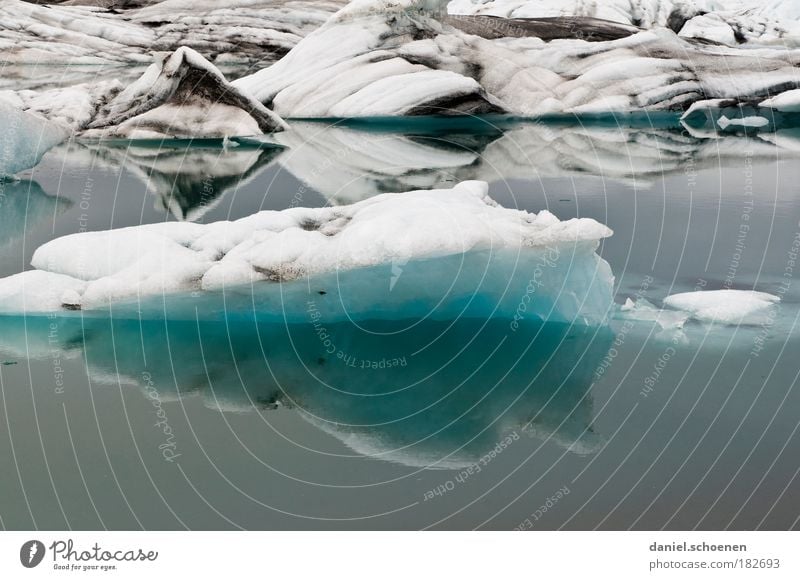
x=375 y=57
x=725 y=306
x=390 y=392
x=25 y=138
x=182 y=95
x=427 y=253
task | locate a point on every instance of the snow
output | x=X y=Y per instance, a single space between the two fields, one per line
x=24 y=139
x=787 y=102
x=367 y=58
x=182 y=95
x=751 y=121
x=456 y=247
x=249 y=31
x=725 y=306
x=729 y=22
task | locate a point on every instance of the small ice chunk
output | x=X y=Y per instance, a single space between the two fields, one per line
x=643 y=309
x=787 y=101
x=724 y=306
x=751 y=121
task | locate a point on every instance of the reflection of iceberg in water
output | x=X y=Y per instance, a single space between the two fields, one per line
x=188 y=177
x=24 y=205
x=346 y=163
x=417 y=392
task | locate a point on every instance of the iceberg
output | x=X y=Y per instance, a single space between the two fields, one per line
x=437 y=253
x=725 y=306
x=375 y=57
x=25 y=139
x=729 y=22
x=388 y=392
x=254 y=32
x=182 y=95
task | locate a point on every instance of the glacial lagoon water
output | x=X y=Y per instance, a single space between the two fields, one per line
x=453 y=423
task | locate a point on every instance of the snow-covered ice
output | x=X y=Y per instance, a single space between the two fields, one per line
x=725 y=306
x=182 y=95
x=730 y=22
x=367 y=59
x=410 y=254
x=255 y=32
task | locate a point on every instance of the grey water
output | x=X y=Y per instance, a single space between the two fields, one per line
x=409 y=424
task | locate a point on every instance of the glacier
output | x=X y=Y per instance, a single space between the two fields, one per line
x=434 y=253
x=180 y=95
x=401 y=58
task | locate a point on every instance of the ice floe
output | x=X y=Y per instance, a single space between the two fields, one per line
x=725 y=306
x=433 y=252
x=720 y=307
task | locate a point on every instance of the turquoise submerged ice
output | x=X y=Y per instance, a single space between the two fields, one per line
x=434 y=394
x=435 y=253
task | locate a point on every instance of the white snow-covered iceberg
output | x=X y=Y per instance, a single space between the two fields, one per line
x=725 y=306
x=249 y=31
x=376 y=57
x=438 y=253
x=182 y=96
x=730 y=22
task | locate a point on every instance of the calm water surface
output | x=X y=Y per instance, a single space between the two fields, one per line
x=459 y=424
